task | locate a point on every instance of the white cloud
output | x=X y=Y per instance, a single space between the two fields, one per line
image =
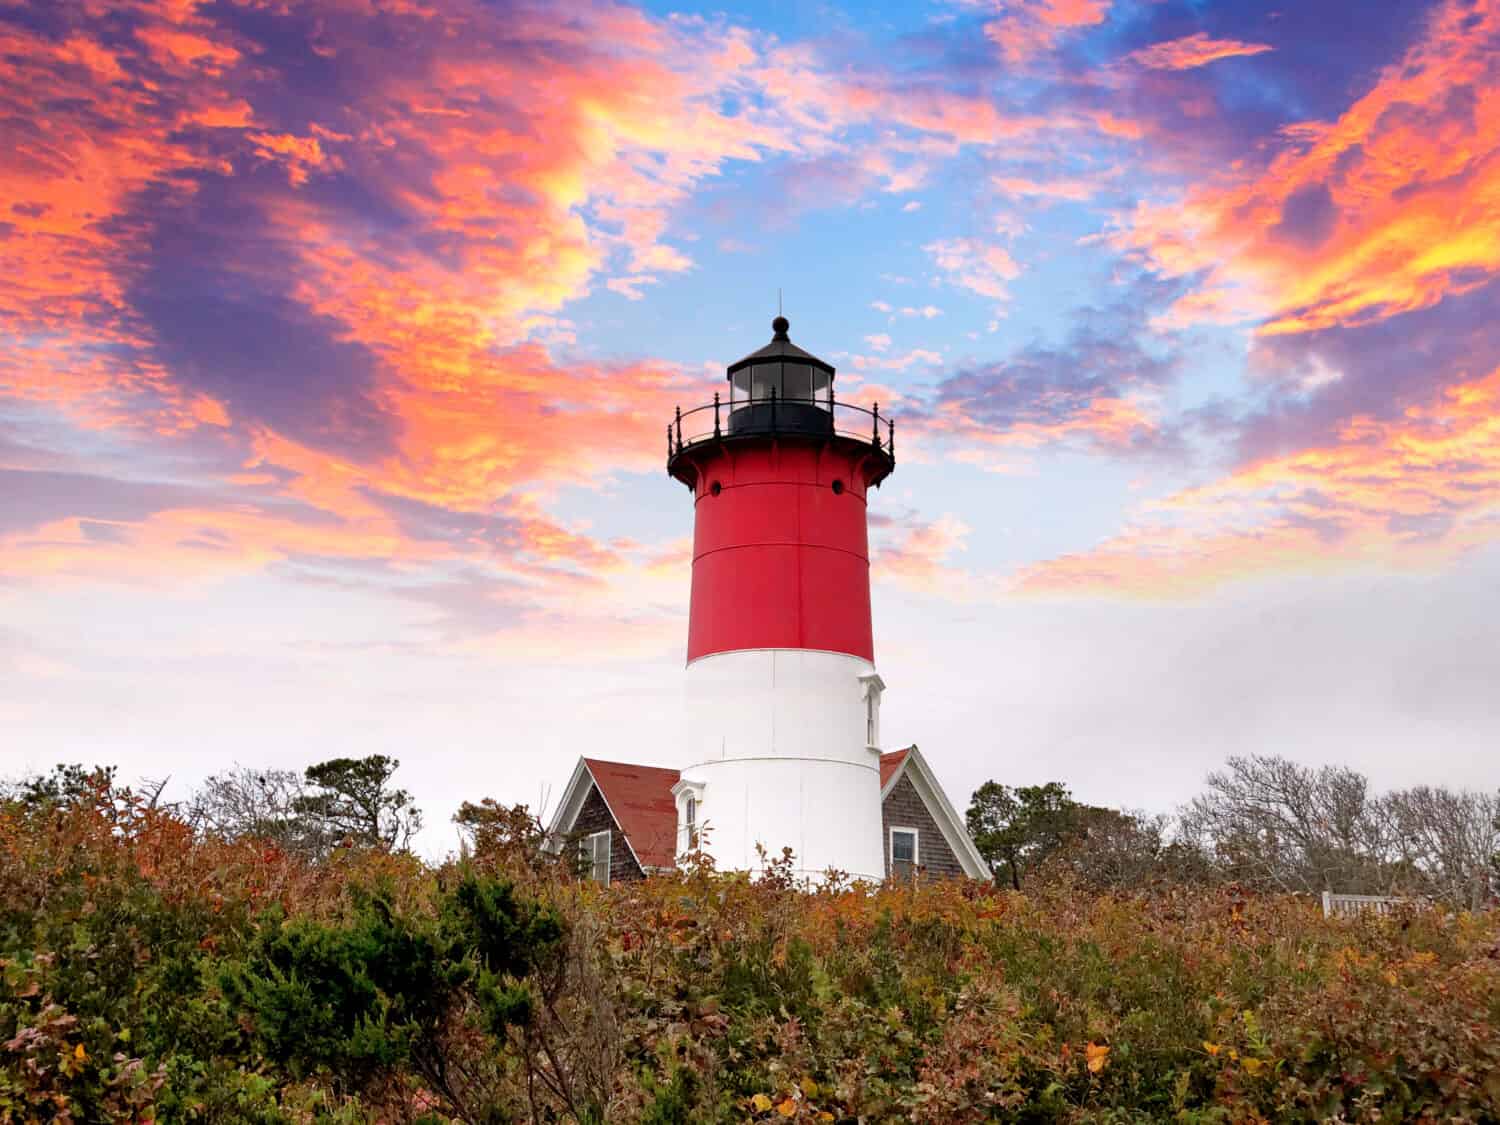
x=979 y=267
x=898 y=362
x=629 y=287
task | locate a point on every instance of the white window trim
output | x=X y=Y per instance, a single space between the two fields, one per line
x=873 y=687
x=592 y=854
x=916 y=845
x=680 y=794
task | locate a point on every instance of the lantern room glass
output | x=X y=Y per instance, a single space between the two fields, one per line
x=789 y=382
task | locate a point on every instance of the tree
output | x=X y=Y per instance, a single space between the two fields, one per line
x=1272 y=823
x=1495 y=824
x=63 y=786
x=1446 y=841
x=350 y=800
x=1016 y=829
x=1118 y=849
x=1040 y=831
x=507 y=838
x=1495 y=858
x=311 y=812
x=245 y=803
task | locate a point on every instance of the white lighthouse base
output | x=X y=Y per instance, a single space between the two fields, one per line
x=782 y=752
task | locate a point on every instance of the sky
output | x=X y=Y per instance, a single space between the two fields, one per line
x=338 y=340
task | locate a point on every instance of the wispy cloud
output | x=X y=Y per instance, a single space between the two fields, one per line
x=1408 y=493
x=1198 y=49
x=981 y=267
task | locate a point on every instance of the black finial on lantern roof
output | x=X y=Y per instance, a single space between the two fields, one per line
x=780 y=350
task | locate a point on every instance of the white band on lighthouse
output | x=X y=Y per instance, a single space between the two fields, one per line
x=778 y=754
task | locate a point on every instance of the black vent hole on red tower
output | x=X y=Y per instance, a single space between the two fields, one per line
x=838 y=488
x=716 y=488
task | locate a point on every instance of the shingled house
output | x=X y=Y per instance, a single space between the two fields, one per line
x=624 y=820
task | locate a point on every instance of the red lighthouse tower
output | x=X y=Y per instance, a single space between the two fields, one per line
x=782 y=696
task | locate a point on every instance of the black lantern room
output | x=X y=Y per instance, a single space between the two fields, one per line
x=780 y=388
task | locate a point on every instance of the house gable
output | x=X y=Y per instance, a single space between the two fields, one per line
x=594 y=816
x=634 y=802
x=640 y=799
x=910 y=797
x=903 y=807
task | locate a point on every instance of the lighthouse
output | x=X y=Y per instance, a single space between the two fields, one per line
x=782 y=741
x=782 y=697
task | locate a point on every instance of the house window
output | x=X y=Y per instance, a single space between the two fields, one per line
x=690 y=817
x=903 y=852
x=593 y=852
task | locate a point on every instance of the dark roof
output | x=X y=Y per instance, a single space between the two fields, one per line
x=640 y=799
x=780 y=350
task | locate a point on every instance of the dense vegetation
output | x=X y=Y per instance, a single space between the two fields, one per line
x=152 y=968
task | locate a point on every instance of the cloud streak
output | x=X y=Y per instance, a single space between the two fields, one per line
x=1389 y=208
x=1410 y=493
x=1198 y=49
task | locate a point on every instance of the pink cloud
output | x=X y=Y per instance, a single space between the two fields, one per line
x=1198 y=49
x=1031 y=28
x=980 y=267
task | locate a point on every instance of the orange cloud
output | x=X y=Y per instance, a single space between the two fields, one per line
x=185 y=50
x=503 y=228
x=1198 y=49
x=68 y=178
x=1411 y=492
x=300 y=154
x=1034 y=27
x=1386 y=210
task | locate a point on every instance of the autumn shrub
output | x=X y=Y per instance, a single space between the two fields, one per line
x=152 y=972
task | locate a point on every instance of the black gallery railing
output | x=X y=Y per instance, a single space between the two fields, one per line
x=739 y=417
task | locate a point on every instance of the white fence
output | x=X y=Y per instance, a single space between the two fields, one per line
x=1347 y=905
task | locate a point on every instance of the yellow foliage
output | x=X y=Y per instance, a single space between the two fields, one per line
x=1097 y=1055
